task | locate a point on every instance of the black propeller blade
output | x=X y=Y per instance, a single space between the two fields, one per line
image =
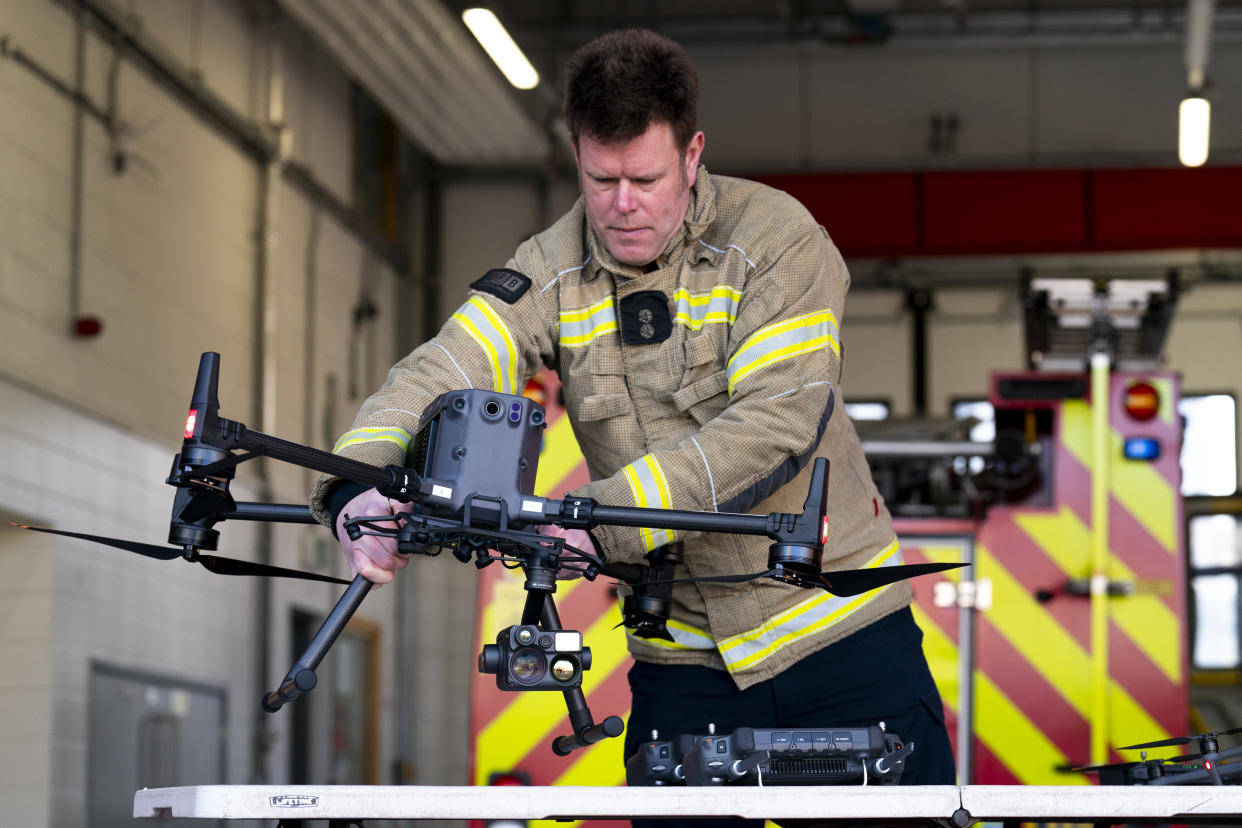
x=857 y=581
x=229 y=566
x=1183 y=740
x=213 y=563
x=841 y=582
x=150 y=550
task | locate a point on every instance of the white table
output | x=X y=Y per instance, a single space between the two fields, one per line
x=945 y=804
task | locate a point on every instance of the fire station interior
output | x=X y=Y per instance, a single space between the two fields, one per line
x=1040 y=339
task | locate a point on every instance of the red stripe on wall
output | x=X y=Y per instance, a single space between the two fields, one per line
x=980 y=212
x=1167 y=208
x=989 y=212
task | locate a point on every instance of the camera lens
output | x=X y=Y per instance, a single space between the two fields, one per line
x=525 y=635
x=492 y=409
x=527 y=666
x=564 y=670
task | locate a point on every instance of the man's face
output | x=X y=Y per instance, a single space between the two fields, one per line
x=636 y=192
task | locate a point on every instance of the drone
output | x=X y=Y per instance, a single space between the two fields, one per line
x=1210 y=766
x=469 y=475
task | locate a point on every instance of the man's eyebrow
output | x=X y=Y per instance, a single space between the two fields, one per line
x=645 y=176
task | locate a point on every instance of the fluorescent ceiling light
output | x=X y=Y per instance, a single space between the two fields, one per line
x=495 y=40
x=1194 y=118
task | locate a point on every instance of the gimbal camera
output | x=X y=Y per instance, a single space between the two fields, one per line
x=470 y=473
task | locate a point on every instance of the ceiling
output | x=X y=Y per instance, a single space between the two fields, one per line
x=419 y=61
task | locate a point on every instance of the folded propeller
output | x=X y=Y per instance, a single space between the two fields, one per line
x=212 y=563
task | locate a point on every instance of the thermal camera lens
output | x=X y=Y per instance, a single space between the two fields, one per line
x=564 y=670
x=527 y=666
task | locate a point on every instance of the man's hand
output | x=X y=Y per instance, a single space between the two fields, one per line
x=371 y=556
x=577 y=538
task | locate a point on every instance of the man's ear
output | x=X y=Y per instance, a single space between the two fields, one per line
x=694 y=151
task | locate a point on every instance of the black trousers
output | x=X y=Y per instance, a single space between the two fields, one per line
x=878 y=674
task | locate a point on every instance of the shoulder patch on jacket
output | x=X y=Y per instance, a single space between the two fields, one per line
x=503 y=283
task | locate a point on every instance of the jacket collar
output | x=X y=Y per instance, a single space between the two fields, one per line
x=700 y=213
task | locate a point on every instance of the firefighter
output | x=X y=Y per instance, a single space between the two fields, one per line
x=693 y=320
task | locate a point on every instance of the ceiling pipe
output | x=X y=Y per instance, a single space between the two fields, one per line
x=1199 y=15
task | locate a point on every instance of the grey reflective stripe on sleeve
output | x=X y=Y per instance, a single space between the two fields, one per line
x=809 y=617
x=486 y=328
x=579 y=327
x=782 y=340
x=784 y=472
x=650 y=489
x=685 y=637
x=696 y=309
x=399 y=436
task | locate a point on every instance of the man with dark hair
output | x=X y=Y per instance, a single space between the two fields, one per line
x=693 y=320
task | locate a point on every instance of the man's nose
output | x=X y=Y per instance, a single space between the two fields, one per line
x=626 y=200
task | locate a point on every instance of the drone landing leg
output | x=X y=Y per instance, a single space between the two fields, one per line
x=301 y=676
x=585 y=730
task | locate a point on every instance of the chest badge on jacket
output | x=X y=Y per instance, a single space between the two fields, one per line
x=645 y=318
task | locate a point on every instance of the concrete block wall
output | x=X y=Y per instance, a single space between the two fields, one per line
x=69 y=603
x=88 y=427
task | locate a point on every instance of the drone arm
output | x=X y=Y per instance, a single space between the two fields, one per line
x=392 y=481
x=804 y=529
x=585 y=513
x=273 y=512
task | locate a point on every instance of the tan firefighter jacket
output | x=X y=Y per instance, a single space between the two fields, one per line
x=717 y=403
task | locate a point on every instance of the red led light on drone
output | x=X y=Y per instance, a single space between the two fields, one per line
x=190 y=420
x=1207 y=763
x=823 y=531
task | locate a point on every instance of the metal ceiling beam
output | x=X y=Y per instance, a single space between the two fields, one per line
x=424 y=68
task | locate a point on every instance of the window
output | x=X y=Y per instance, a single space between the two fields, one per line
x=1209 y=468
x=870 y=410
x=981 y=410
x=1209 y=444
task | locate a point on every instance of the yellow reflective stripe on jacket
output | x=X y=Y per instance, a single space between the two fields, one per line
x=696 y=309
x=685 y=637
x=579 y=327
x=782 y=340
x=809 y=617
x=489 y=331
x=365 y=435
x=650 y=490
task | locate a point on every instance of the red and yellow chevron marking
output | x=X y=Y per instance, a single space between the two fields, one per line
x=1033 y=663
x=515 y=731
